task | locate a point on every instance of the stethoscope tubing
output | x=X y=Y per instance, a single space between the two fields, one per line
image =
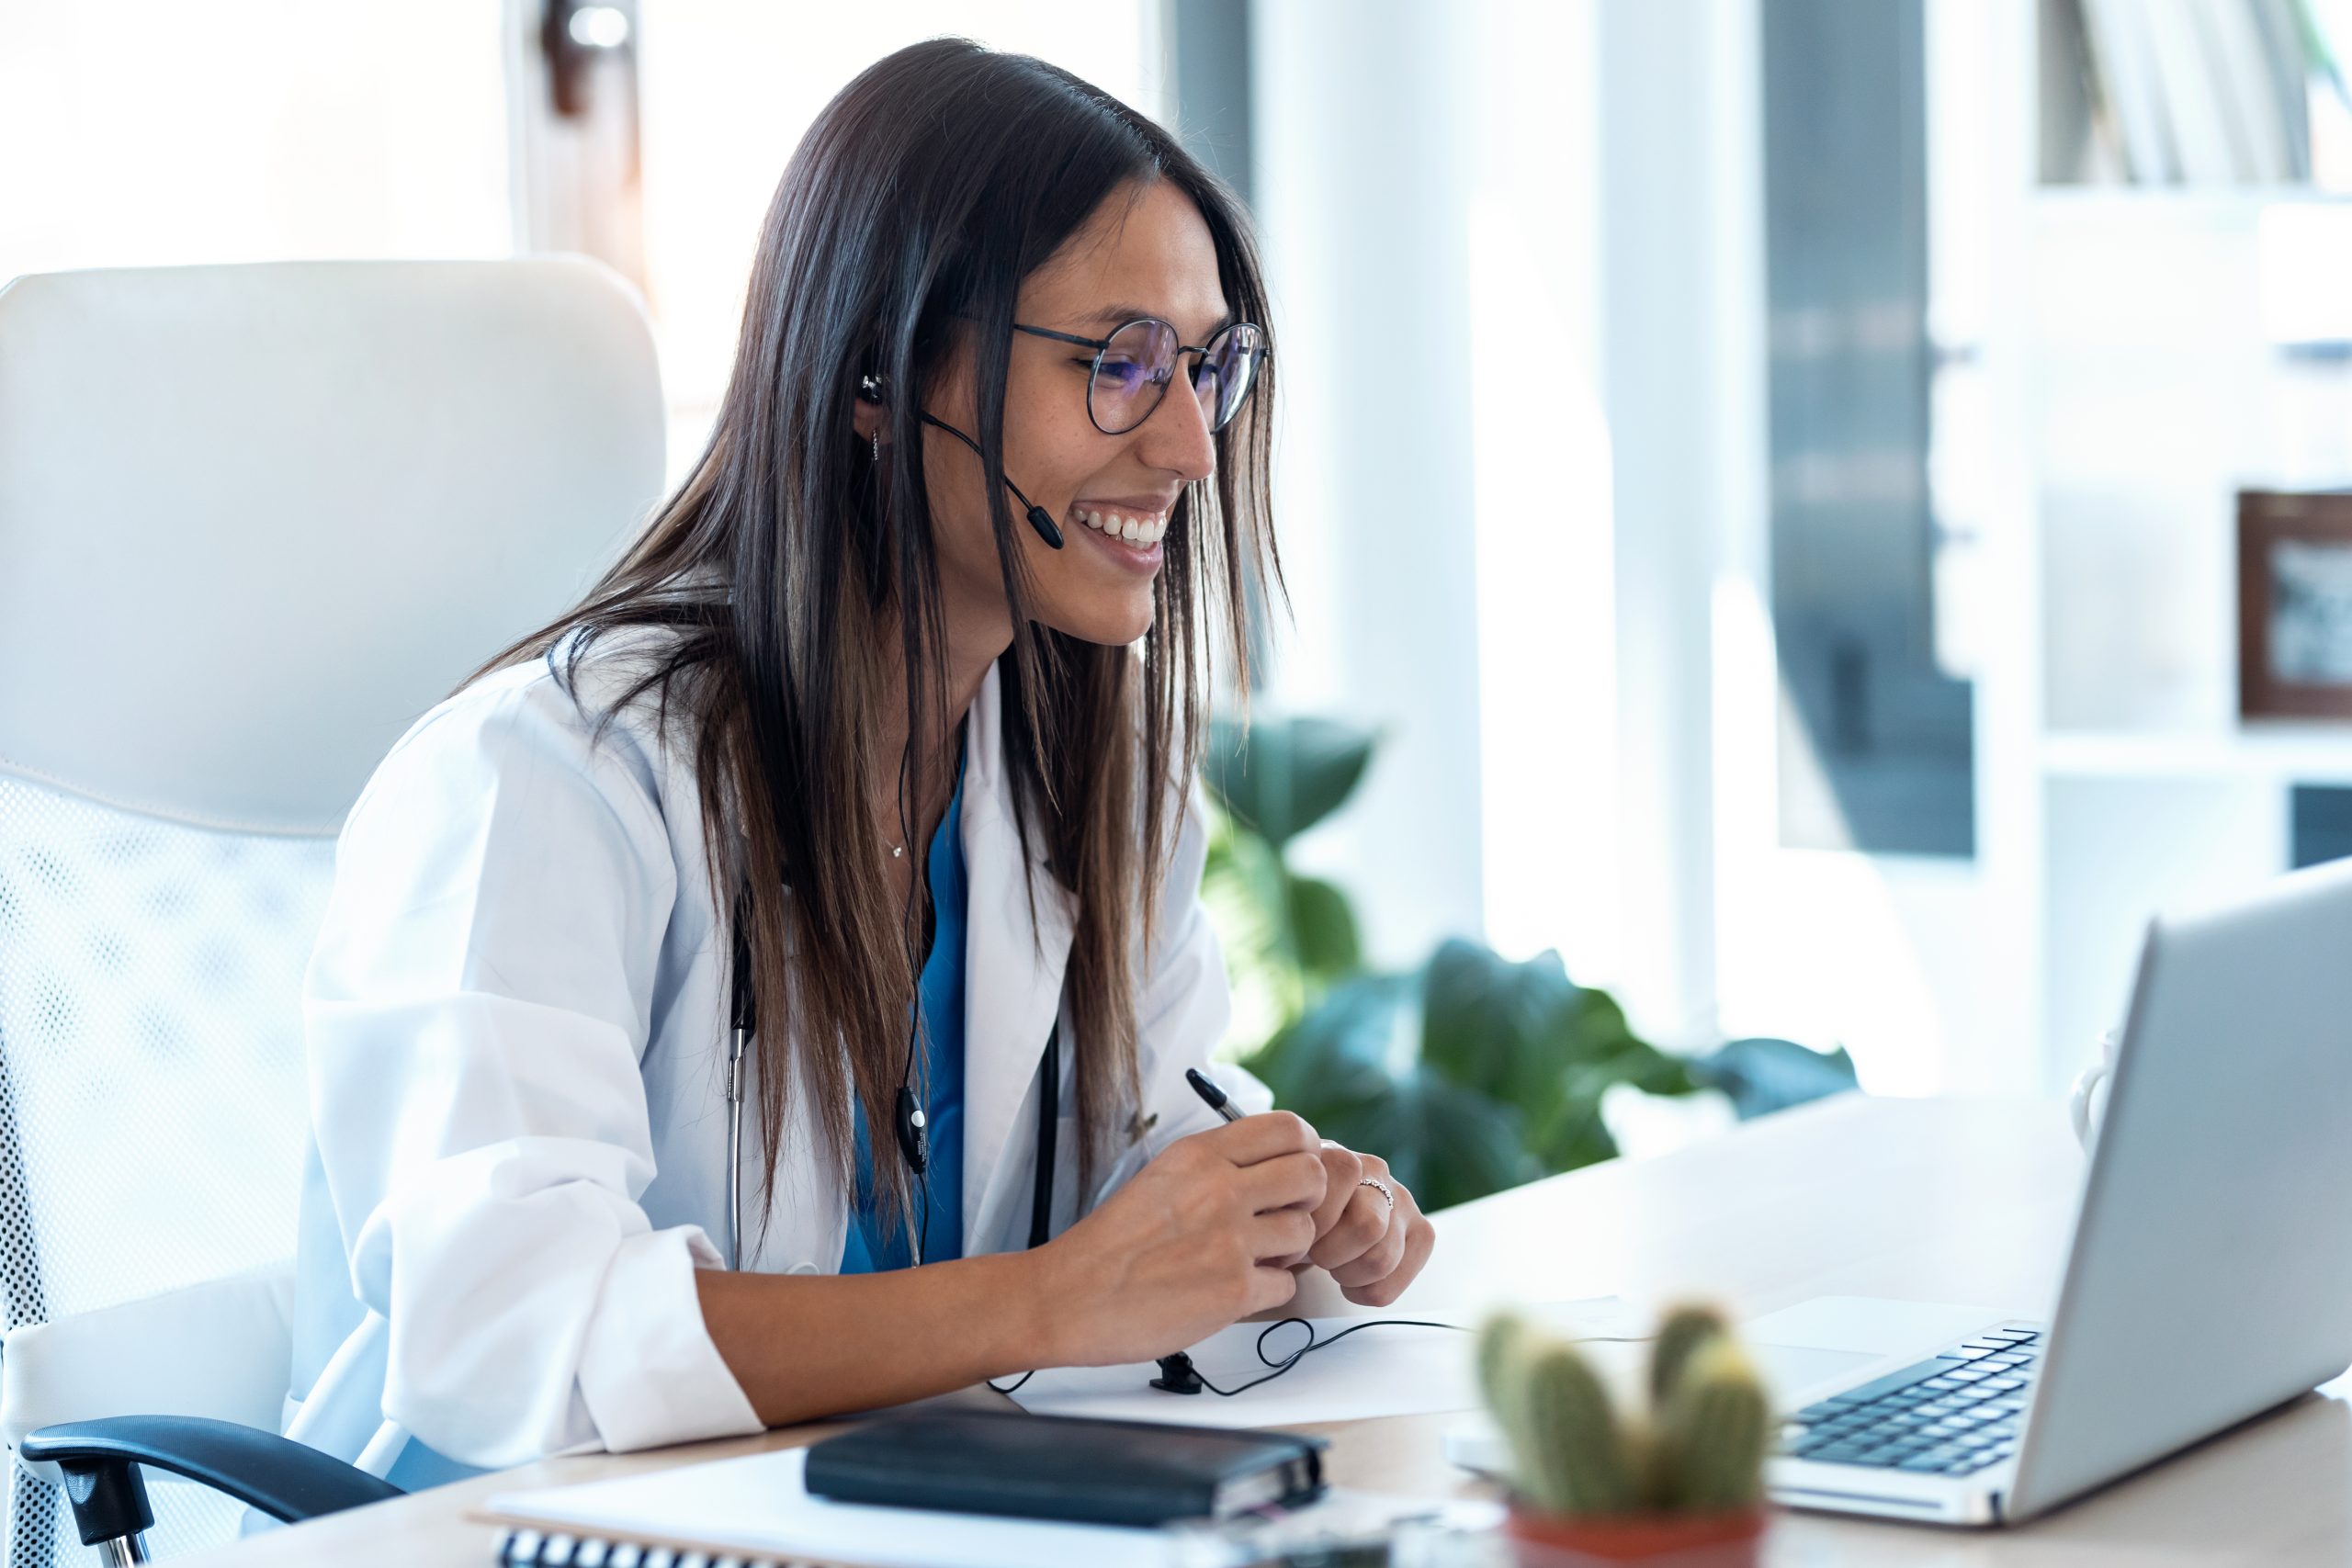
x=744 y=1018
x=735 y=1152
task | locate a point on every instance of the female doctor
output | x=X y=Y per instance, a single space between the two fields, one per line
x=873 y=755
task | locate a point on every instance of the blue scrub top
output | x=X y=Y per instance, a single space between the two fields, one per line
x=871 y=1246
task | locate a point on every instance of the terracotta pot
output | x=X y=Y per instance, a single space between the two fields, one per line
x=1657 y=1541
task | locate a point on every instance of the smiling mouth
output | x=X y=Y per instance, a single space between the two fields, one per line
x=1131 y=528
x=1139 y=557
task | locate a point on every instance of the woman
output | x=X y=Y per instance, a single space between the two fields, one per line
x=861 y=719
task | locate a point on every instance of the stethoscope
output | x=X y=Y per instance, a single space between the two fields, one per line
x=913 y=1139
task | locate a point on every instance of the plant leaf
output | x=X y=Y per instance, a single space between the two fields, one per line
x=1574 y=1137
x=1334 y=1066
x=1496 y=1027
x=1764 y=1075
x=1446 y=1144
x=1282 y=777
x=1242 y=888
x=1333 y=1063
x=1325 y=927
x=1637 y=1062
x=1528 y=1036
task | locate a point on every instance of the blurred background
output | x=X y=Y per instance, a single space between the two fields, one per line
x=1765 y=485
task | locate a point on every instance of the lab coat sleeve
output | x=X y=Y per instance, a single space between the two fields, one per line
x=475 y=1012
x=1186 y=1006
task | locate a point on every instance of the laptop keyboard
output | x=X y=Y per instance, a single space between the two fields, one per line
x=1953 y=1414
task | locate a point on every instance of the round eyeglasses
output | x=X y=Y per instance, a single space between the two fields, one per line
x=1133 y=366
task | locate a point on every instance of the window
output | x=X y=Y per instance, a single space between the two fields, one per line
x=149 y=132
x=728 y=88
x=1876 y=745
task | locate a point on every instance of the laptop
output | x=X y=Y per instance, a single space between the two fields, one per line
x=2208 y=1277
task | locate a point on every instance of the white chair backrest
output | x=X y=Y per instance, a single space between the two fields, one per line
x=254 y=520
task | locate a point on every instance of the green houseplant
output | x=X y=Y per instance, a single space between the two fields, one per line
x=1471 y=1073
x=1678 y=1479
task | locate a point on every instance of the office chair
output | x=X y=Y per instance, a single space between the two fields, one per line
x=253 y=521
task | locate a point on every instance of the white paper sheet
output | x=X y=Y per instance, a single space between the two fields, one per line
x=758 y=1503
x=1385 y=1371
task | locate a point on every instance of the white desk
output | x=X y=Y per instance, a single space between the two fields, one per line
x=1951 y=1201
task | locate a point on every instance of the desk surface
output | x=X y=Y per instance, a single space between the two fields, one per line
x=1953 y=1200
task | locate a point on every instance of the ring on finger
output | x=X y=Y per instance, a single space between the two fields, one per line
x=1382 y=1187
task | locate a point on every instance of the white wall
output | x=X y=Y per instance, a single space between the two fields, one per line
x=1516 y=577
x=1432 y=186
x=1361 y=114
x=1683 y=376
x=1547 y=602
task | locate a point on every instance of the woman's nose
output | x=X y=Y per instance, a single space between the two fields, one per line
x=1177 y=437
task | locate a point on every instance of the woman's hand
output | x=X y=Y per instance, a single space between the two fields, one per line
x=1371 y=1246
x=1196 y=1240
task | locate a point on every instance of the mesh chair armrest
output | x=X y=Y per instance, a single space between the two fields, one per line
x=284 y=1479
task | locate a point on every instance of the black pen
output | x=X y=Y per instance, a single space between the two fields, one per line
x=1214 y=1095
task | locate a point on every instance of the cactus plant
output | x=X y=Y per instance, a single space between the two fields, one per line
x=1685 y=1329
x=1575 y=1450
x=1711 y=1432
x=1698 y=1450
x=1499 y=1341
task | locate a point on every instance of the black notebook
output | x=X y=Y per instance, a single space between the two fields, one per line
x=1061 y=1467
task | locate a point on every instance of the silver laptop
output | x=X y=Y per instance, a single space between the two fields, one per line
x=2209 y=1273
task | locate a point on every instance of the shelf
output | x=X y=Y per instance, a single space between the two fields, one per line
x=2282 y=752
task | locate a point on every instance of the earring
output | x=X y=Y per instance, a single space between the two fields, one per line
x=875 y=388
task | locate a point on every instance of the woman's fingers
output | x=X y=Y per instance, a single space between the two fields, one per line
x=1254 y=1138
x=1293 y=1180
x=1272 y=1288
x=1379 y=1259
x=1281 y=1235
x=1360 y=1231
x=1342 y=1168
x=1420 y=1238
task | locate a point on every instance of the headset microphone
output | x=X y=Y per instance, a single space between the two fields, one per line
x=875 y=388
x=1046 y=528
x=914 y=1132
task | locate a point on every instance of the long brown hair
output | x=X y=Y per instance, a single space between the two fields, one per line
x=925 y=192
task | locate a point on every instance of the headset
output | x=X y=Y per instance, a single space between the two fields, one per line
x=876 y=388
x=911 y=1126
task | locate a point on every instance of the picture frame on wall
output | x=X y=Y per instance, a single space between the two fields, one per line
x=2295 y=604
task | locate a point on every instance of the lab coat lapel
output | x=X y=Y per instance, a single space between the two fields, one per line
x=1012 y=977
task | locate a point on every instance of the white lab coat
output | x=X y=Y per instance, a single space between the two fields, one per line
x=516 y=1038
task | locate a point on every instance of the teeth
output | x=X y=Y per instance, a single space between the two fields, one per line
x=1139 y=531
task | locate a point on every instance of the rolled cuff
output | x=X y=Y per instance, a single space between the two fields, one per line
x=650 y=1372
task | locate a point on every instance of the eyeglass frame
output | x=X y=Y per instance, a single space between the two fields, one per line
x=1100 y=346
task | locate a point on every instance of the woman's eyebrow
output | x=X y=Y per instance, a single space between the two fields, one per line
x=1113 y=315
